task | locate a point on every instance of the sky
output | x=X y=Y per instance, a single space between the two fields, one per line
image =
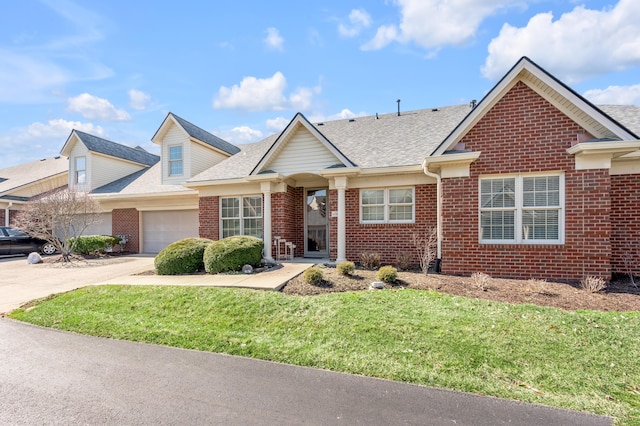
x=242 y=69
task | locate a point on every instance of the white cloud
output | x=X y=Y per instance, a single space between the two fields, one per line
x=432 y=24
x=264 y=94
x=342 y=115
x=95 y=108
x=58 y=128
x=359 y=19
x=273 y=40
x=240 y=135
x=138 y=99
x=615 y=95
x=277 y=124
x=580 y=44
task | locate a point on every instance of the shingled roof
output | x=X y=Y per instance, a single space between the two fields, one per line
x=201 y=135
x=12 y=178
x=113 y=149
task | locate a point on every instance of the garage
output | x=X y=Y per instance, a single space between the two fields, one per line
x=101 y=227
x=161 y=228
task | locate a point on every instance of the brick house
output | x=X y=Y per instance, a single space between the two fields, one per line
x=532 y=181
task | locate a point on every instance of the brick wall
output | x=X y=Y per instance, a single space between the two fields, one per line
x=127 y=222
x=287 y=213
x=625 y=223
x=209 y=217
x=524 y=133
x=385 y=239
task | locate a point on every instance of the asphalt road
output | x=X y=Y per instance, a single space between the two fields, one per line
x=51 y=377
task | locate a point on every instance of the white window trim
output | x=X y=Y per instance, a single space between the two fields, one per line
x=241 y=217
x=387 y=205
x=75 y=170
x=519 y=209
x=169 y=160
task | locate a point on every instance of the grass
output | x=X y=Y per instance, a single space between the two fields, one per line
x=584 y=360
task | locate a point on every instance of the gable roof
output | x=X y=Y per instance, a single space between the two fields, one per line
x=147 y=181
x=554 y=91
x=299 y=120
x=197 y=133
x=15 y=177
x=112 y=149
x=376 y=141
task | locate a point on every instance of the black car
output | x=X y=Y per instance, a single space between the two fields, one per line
x=14 y=241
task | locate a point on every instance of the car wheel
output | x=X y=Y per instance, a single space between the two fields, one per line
x=48 y=248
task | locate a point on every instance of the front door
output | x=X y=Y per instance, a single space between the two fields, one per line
x=316 y=222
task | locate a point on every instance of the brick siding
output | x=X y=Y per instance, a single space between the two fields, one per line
x=209 y=217
x=127 y=222
x=523 y=133
x=625 y=220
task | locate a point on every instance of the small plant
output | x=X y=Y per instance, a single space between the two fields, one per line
x=313 y=275
x=388 y=274
x=403 y=260
x=345 y=268
x=593 y=284
x=537 y=285
x=426 y=245
x=481 y=280
x=370 y=260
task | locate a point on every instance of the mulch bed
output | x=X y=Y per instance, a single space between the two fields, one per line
x=619 y=295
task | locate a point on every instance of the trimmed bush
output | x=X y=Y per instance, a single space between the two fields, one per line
x=86 y=244
x=388 y=274
x=182 y=257
x=345 y=267
x=232 y=253
x=313 y=275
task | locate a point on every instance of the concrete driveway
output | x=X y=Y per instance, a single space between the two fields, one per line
x=21 y=282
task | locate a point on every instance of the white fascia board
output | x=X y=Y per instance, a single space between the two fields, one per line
x=451 y=165
x=609 y=147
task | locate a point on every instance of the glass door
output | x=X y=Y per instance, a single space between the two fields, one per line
x=316 y=223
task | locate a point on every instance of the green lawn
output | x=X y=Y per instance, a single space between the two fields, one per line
x=585 y=360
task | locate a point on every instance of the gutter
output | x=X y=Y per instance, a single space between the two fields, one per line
x=438 y=179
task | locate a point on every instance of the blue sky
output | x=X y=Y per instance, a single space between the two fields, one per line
x=242 y=69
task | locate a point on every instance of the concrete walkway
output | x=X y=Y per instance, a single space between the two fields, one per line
x=21 y=283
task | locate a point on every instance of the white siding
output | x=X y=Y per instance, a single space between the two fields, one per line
x=79 y=150
x=202 y=158
x=161 y=228
x=302 y=153
x=176 y=136
x=40 y=187
x=105 y=170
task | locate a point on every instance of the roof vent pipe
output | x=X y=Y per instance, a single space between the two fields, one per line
x=398 y=101
x=473 y=103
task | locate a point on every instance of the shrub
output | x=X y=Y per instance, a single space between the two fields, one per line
x=593 y=284
x=481 y=280
x=388 y=274
x=345 y=267
x=403 y=260
x=232 y=253
x=86 y=244
x=313 y=275
x=370 y=260
x=182 y=257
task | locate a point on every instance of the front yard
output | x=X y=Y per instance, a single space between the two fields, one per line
x=583 y=360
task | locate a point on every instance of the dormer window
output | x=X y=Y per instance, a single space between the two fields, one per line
x=80 y=170
x=175 y=160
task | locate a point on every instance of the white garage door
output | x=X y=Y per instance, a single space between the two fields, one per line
x=162 y=228
x=101 y=227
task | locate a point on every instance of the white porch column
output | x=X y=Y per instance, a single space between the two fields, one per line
x=341 y=186
x=265 y=187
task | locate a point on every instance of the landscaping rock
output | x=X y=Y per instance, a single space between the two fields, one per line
x=34 y=258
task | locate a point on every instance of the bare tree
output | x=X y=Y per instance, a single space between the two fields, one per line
x=630 y=263
x=426 y=245
x=59 y=216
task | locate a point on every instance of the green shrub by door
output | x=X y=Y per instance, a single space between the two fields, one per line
x=182 y=257
x=232 y=253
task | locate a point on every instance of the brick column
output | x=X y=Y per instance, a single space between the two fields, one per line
x=127 y=222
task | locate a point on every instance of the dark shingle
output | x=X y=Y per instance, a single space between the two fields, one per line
x=103 y=146
x=206 y=137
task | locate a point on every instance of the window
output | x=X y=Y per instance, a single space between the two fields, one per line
x=241 y=216
x=175 y=160
x=80 y=170
x=522 y=209
x=388 y=205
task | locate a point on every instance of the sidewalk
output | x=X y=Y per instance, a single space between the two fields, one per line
x=273 y=279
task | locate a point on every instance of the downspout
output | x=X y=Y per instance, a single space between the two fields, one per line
x=6 y=213
x=438 y=179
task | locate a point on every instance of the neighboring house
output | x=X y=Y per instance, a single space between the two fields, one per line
x=19 y=184
x=532 y=181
